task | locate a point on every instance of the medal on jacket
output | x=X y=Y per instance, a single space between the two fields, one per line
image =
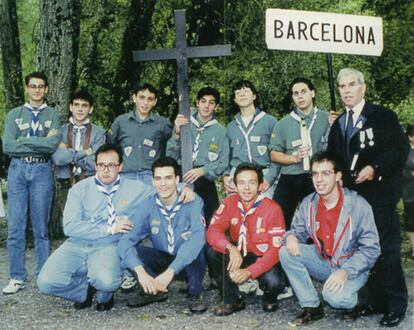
x=362 y=139
x=370 y=135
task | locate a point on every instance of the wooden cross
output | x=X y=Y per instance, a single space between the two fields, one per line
x=181 y=53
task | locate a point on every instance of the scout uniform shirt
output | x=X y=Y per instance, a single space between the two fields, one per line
x=251 y=144
x=189 y=233
x=70 y=161
x=16 y=139
x=286 y=135
x=265 y=228
x=142 y=141
x=210 y=149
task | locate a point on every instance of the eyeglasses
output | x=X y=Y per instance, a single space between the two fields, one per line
x=33 y=86
x=324 y=174
x=111 y=167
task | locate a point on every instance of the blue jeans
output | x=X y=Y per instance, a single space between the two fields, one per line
x=156 y=262
x=75 y=265
x=28 y=184
x=300 y=269
x=144 y=176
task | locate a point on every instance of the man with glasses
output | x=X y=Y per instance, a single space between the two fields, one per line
x=31 y=136
x=346 y=245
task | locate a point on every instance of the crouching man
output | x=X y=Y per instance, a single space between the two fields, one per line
x=346 y=245
x=177 y=233
x=255 y=227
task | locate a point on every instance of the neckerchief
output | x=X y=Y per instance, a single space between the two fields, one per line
x=34 y=125
x=110 y=207
x=169 y=216
x=294 y=114
x=199 y=129
x=242 y=242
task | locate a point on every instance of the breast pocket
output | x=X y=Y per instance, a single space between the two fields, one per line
x=261 y=241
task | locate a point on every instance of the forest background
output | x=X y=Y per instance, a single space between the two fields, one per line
x=88 y=44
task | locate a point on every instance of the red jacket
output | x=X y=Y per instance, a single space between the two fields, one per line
x=265 y=228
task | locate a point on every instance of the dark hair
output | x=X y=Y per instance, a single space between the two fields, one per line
x=38 y=75
x=287 y=100
x=166 y=162
x=106 y=147
x=82 y=95
x=248 y=167
x=145 y=86
x=327 y=156
x=409 y=130
x=247 y=84
x=209 y=91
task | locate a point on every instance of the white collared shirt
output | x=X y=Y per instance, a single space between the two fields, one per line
x=357 y=111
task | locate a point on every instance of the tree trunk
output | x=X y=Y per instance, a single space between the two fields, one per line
x=58 y=49
x=10 y=52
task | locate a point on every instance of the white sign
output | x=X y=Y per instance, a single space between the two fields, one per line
x=323 y=32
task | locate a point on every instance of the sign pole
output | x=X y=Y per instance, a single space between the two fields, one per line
x=331 y=81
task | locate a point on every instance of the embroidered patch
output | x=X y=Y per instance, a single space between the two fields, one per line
x=148 y=143
x=296 y=143
x=155 y=222
x=152 y=153
x=255 y=139
x=234 y=221
x=318 y=225
x=212 y=156
x=24 y=126
x=48 y=123
x=273 y=136
x=155 y=230
x=220 y=209
x=186 y=235
x=127 y=151
x=262 y=247
x=213 y=146
x=18 y=121
x=359 y=125
x=261 y=150
x=277 y=241
x=276 y=230
x=213 y=220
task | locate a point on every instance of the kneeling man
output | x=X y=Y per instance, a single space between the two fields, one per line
x=177 y=233
x=255 y=226
x=97 y=210
x=341 y=225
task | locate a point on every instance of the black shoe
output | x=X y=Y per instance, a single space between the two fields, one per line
x=196 y=304
x=350 y=314
x=227 y=309
x=101 y=307
x=88 y=301
x=391 y=319
x=309 y=314
x=142 y=299
x=367 y=310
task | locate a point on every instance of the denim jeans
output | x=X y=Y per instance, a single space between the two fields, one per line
x=75 y=265
x=156 y=262
x=144 y=176
x=300 y=270
x=28 y=184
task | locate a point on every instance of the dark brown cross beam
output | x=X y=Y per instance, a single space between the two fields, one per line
x=181 y=53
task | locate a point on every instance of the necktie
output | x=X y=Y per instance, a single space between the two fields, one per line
x=34 y=125
x=348 y=131
x=110 y=207
x=242 y=242
x=169 y=216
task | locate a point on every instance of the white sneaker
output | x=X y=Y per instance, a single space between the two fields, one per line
x=13 y=287
x=287 y=293
x=128 y=283
x=249 y=287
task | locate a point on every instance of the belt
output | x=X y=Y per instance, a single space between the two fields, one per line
x=34 y=159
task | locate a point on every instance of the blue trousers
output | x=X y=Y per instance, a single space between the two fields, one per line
x=301 y=269
x=28 y=184
x=75 y=265
x=156 y=262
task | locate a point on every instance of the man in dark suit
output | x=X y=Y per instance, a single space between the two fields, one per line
x=371 y=143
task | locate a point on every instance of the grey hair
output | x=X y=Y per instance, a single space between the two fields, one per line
x=349 y=71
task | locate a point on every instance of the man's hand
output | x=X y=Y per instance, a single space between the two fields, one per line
x=367 y=173
x=164 y=280
x=187 y=195
x=229 y=184
x=122 y=225
x=88 y=152
x=235 y=259
x=292 y=245
x=52 y=132
x=265 y=185
x=301 y=153
x=179 y=121
x=63 y=145
x=332 y=117
x=193 y=175
x=148 y=283
x=240 y=276
x=336 y=282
